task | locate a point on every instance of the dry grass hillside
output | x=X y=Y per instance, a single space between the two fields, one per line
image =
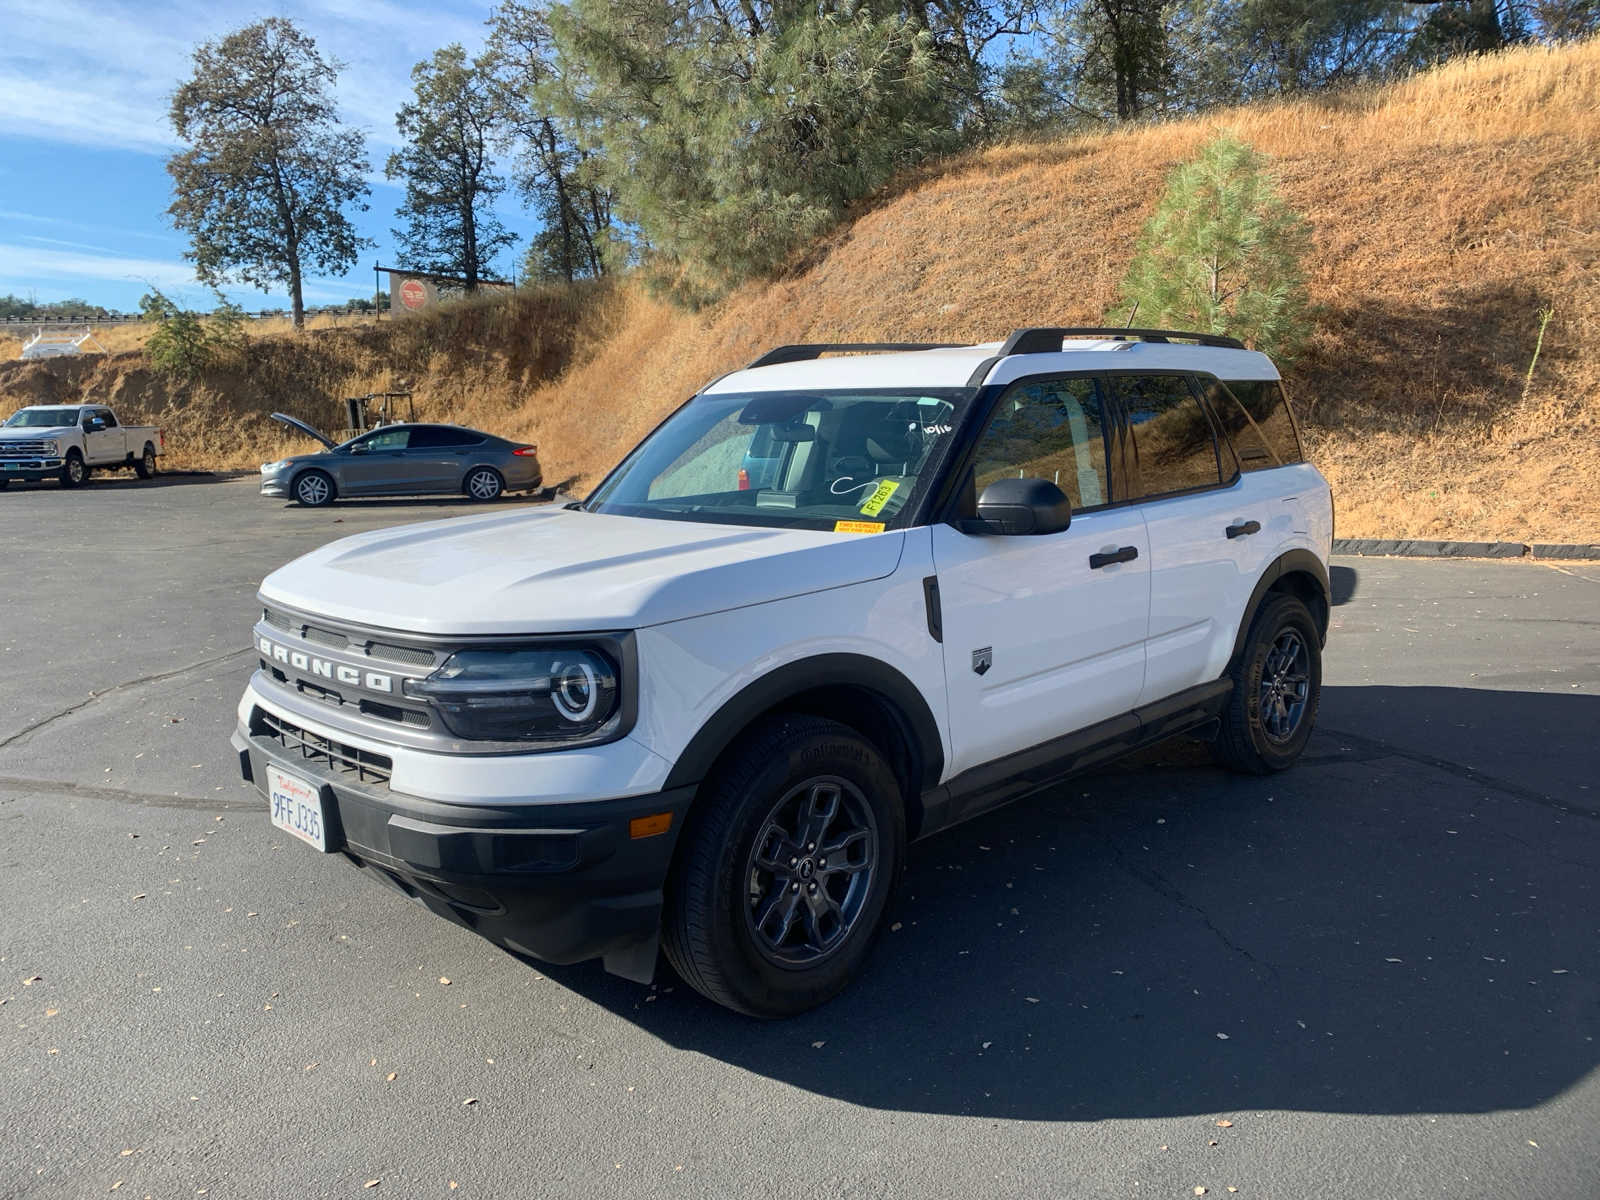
x=1449 y=210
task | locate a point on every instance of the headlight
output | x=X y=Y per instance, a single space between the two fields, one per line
x=52 y=449
x=272 y=468
x=559 y=694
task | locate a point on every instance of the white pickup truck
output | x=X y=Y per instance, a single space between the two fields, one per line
x=66 y=442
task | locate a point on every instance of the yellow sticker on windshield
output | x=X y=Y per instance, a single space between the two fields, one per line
x=858 y=526
x=873 y=504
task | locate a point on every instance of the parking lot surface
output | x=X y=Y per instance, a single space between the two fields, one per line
x=1377 y=975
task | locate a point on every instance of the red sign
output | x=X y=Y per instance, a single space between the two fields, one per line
x=413 y=294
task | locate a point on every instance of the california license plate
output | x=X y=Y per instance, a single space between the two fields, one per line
x=297 y=807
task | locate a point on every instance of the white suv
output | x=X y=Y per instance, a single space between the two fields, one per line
x=840 y=600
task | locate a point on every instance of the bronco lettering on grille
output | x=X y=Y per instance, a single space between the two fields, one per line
x=299 y=660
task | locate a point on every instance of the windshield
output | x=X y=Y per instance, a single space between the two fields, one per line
x=42 y=418
x=854 y=461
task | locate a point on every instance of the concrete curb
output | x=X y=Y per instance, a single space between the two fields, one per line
x=1406 y=548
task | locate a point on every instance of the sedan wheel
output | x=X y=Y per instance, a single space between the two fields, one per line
x=484 y=484
x=314 y=489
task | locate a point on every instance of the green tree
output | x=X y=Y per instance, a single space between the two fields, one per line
x=1222 y=254
x=185 y=343
x=263 y=189
x=447 y=164
x=731 y=140
x=552 y=168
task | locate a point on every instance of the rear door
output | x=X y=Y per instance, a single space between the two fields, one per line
x=1039 y=640
x=434 y=459
x=1203 y=516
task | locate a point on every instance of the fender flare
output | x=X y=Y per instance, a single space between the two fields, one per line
x=1288 y=563
x=805 y=675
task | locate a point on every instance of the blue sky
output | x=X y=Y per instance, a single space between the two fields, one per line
x=84 y=89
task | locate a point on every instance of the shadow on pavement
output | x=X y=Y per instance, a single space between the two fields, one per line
x=1385 y=929
x=126 y=480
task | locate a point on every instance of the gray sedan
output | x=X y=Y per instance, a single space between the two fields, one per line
x=403 y=460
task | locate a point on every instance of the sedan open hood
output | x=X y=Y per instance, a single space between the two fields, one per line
x=297 y=423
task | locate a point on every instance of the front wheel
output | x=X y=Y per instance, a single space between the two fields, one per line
x=75 y=472
x=146 y=466
x=1277 y=687
x=314 y=489
x=787 y=868
x=484 y=484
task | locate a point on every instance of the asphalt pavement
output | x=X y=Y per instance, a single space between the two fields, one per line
x=1377 y=975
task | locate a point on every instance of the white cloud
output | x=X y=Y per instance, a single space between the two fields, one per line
x=102 y=74
x=85 y=226
x=25 y=264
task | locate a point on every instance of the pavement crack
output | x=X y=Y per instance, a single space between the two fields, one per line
x=1162 y=886
x=126 y=684
x=53 y=787
x=1376 y=748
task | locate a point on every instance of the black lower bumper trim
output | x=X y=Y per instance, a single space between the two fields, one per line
x=558 y=882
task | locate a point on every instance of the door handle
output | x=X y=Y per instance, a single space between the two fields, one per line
x=1243 y=529
x=1120 y=555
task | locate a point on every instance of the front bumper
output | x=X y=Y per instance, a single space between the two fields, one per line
x=274 y=485
x=562 y=882
x=32 y=469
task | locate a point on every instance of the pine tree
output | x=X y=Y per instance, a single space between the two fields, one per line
x=1222 y=254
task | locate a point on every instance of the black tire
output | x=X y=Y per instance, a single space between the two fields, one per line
x=74 y=472
x=145 y=465
x=314 y=489
x=781 y=775
x=1277 y=688
x=484 y=484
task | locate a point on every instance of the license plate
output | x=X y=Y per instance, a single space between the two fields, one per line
x=297 y=807
x=13 y=466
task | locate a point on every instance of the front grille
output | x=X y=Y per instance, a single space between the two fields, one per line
x=350 y=761
x=25 y=450
x=405 y=654
x=413 y=656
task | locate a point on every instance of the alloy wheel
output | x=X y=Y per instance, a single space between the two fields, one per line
x=1285 y=686
x=483 y=485
x=312 y=490
x=810 y=871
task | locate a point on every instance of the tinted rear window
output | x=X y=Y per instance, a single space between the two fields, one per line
x=1174 y=446
x=437 y=435
x=1255 y=417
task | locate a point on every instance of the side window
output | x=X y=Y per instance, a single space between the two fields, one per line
x=106 y=415
x=428 y=437
x=1053 y=430
x=1173 y=443
x=386 y=439
x=1255 y=417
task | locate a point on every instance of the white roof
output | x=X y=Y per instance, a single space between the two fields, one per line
x=954 y=367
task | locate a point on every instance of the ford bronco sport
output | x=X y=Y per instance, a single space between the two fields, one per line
x=839 y=600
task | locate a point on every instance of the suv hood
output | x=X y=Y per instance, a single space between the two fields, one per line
x=297 y=423
x=556 y=571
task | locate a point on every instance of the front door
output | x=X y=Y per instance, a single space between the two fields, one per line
x=102 y=439
x=375 y=463
x=1043 y=635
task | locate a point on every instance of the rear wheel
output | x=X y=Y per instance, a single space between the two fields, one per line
x=145 y=467
x=786 y=870
x=483 y=483
x=314 y=489
x=74 y=472
x=1277 y=687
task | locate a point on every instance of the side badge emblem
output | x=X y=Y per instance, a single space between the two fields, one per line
x=983 y=659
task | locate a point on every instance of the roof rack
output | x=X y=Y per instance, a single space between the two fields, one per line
x=1048 y=340
x=810 y=350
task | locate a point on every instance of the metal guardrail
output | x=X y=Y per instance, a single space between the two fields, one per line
x=22 y=324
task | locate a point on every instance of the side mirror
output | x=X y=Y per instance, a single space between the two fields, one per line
x=1015 y=507
x=361 y=449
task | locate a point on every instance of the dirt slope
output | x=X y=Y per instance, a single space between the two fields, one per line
x=1449 y=211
